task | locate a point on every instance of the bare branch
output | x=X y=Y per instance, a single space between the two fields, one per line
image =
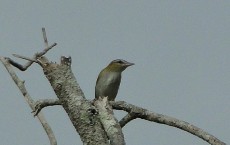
x=126 y=119
x=40 y=104
x=24 y=57
x=109 y=122
x=44 y=37
x=45 y=50
x=17 y=65
x=28 y=99
x=163 y=119
x=30 y=60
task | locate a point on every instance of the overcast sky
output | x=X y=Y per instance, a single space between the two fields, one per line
x=181 y=51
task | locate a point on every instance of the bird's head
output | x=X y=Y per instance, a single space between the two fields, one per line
x=118 y=65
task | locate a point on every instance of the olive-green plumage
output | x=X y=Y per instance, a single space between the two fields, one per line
x=109 y=79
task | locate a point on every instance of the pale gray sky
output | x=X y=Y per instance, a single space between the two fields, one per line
x=180 y=48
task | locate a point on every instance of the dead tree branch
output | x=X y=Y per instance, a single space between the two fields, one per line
x=44 y=103
x=126 y=119
x=138 y=112
x=30 y=60
x=80 y=111
x=109 y=122
x=29 y=100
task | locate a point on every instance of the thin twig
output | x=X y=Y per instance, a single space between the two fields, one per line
x=126 y=119
x=44 y=37
x=31 y=60
x=17 y=65
x=40 y=104
x=34 y=59
x=24 y=57
x=45 y=50
x=28 y=99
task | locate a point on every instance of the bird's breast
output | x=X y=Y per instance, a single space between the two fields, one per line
x=112 y=78
x=108 y=85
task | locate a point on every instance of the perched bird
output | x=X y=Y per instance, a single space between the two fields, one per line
x=109 y=79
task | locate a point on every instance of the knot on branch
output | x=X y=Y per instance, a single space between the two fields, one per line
x=92 y=111
x=37 y=107
x=58 y=87
x=66 y=60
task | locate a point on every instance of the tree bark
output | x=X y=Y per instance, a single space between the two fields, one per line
x=80 y=111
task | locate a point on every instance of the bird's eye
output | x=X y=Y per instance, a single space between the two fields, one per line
x=119 y=61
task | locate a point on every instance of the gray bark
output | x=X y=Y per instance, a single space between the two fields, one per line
x=80 y=111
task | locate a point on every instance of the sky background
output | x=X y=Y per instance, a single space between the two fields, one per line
x=181 y=51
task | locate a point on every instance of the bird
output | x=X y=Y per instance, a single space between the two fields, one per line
x=109 y=79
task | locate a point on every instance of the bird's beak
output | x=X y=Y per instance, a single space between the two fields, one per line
x=128 y=64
